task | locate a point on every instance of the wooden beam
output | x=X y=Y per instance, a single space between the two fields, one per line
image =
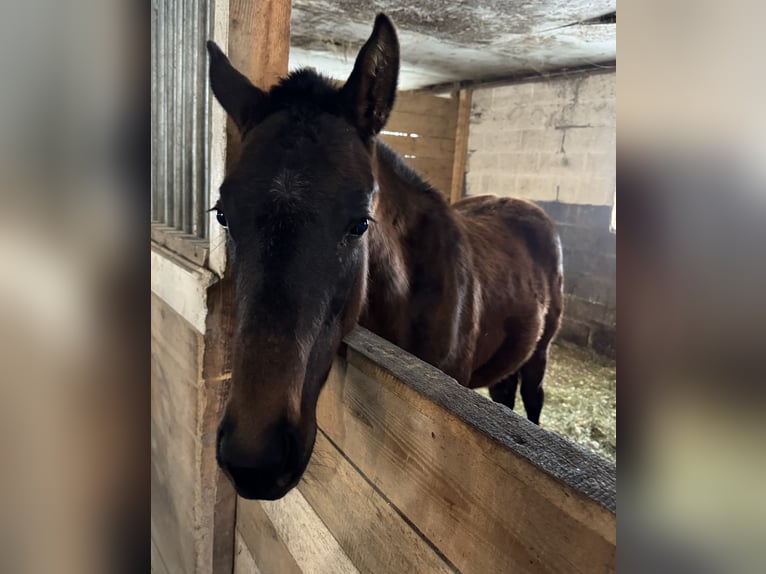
x=243 y=559
x=461 y=144
x=261 y=542
x=259 y=47
x=259 y=39
x=386 y=544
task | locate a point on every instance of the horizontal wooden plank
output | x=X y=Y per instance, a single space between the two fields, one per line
x=372 y=533
x=294 y=523
x=590 y=475
x=309 y=541
x=181 y=284
x=243 y=559
x=432 y=167
x=491 y=491
x=422 y=147
x=261 y=540
x=422 y=125
x=437 y=172
x=426 y=104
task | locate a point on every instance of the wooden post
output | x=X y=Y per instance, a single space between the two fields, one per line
x=461 y=144
x=259 y=47
x=259 y=39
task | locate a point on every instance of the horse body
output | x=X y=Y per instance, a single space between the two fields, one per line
x=474 y=288
x=328 y=227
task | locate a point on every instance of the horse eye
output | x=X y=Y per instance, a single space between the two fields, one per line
x=221 y=218
x=359 y=228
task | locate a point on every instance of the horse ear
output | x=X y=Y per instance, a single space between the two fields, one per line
x=370 y=90
x=236 y=94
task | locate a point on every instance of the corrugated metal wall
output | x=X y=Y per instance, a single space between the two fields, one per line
x=180 y=112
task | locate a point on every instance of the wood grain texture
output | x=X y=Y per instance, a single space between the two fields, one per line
x=491 y=491
x=461 y=144
x=421 y=124
x=422 y=147
x=310 y=542
x=259 y=47
x=216 y=496
x=157 y=564
x=174 y=379
x=243 y=559
x=288 y=536
x=432 y=119
x=433 y=168
x=192 y=503
x=262 y=541
x=374 y=536
x=425 y=104
x=259 y=39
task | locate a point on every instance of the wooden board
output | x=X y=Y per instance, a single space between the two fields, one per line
x=433 y=119
x=425 y=147
x=243 y=559
x=259 y=47
x=174 y=379
x=262 y=541
x=491 y=491
x=192 y=503
x=422 y=125
x=259 y=39
x=425 y=104
x=287 y=536
x=461 y=145
x=369 y=529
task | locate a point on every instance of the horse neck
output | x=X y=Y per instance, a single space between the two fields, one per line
x=408 y=212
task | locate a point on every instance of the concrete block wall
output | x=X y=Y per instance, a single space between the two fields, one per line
x=553 y=142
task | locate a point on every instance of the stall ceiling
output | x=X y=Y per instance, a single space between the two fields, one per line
x=447 y=41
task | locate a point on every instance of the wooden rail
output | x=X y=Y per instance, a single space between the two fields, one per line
x=413 y=473
x=425 y=126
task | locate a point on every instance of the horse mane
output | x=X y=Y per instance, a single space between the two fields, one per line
x=416 y=182
x=305 y=88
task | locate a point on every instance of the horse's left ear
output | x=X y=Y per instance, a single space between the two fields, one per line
x=236 y=94
x=371 y=88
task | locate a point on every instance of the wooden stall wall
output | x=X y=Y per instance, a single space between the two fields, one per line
x=192 y=503
x=414 y=473
x=422 y=129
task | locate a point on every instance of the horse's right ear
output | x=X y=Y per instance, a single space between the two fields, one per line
x=236 y=94
x=370 y=91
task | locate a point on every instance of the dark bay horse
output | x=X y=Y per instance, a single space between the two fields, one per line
x=328 y=227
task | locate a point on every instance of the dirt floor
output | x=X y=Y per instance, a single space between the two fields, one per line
x=580 y=398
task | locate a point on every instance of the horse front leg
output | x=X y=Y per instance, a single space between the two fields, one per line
x=504 y=392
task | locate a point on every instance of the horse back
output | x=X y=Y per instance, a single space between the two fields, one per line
x=516 y=259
